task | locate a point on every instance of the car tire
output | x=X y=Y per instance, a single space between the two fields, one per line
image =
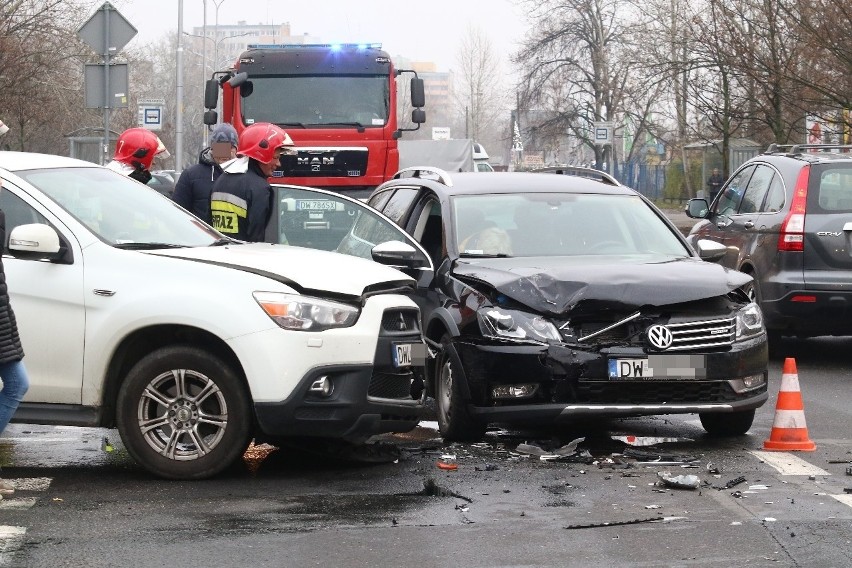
x=193 y=434
x=454 y=421
x=727 y=424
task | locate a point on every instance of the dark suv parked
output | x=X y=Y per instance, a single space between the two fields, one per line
x=786 y=219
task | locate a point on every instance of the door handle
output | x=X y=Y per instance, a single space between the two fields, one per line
x=749 y=224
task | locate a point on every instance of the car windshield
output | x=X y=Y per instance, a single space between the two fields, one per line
x=557 y=224
x=119 y=210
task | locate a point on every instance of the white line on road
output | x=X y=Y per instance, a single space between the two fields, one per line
x=18 y=504
x=788 y=464
x=845 y=499
x=11 y=539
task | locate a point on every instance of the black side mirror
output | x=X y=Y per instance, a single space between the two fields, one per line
x=246 y=89
x=211 y=93
x=211 y=117
x=418 y=93
x=418 y=116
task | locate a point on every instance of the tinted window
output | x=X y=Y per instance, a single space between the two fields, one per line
x=378 y=201
x=757 y=189
x=834 y=188
x=775 y=199
x=400 y=203
x=731 y=195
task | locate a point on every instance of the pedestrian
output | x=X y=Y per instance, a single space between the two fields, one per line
x=195 y=184
x=241 y=201
x=135 y=151
x=13 y=374
x=714 y=183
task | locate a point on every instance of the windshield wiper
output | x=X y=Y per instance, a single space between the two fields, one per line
x=147 y=246
x=225 y=241
x=299 y=124
x=483 y=255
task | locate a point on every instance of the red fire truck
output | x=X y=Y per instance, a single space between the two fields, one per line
x=337 y=102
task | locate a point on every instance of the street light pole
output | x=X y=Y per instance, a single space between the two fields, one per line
x=204 y=68
x=179 y=94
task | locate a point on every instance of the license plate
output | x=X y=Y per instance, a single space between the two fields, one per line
x=402 y=354
x=316 y=205
x=630 y=369
x=660 y=367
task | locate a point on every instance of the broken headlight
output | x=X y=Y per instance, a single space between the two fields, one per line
x=749 y=321
x=512 y=324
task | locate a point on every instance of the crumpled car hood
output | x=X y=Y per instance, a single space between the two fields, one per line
x=556 y=285
x=306 y=268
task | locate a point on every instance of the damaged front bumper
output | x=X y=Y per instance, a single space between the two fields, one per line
x=514 y=382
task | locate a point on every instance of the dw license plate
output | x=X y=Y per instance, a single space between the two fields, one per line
x=659 y=367
x=408 y=354
x=316 y=205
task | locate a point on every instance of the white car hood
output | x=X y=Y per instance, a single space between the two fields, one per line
x=308 y=269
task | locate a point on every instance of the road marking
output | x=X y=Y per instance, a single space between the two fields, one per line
x=17 y=504
x=11 y=540
x=845 y=499
x=788 y=464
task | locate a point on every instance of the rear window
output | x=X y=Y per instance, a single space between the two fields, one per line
x=830 y=188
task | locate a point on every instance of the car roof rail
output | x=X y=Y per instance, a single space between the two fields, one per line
x=579 y=171
x=797 y=148
x=418 y=171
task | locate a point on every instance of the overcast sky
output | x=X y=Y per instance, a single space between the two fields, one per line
x=421 y=31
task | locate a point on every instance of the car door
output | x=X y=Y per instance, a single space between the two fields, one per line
x=724 y=218
x=49 y=305
x=749 y=224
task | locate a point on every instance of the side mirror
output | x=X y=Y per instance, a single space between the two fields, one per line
x=710 y=251
x=211 y=93
x=238 y=79
x=246 y=89
x=211 y=117
x=697 y=208
x=418 y=116
x=418 y=93
x=35 y=241
x=397 y=253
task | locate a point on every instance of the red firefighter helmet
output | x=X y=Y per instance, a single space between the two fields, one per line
x=260 y=140
x=138 y=147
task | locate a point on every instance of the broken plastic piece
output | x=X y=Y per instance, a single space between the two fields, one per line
x=614 y=523
x=734 y=482
x=447 y=465
x=679 y=481
x=648 y=440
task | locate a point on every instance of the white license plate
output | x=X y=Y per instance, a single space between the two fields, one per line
x=630 y=369
x=402 y=355
x=316 y=205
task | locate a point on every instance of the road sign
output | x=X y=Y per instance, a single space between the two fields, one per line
x=107 y=20
x=95 y=79
x=151 y=113
x=602 y=133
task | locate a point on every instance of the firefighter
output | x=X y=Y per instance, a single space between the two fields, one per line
x=135 y=151
x=241 y=201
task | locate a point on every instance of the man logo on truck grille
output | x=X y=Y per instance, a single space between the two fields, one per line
x=660 y=336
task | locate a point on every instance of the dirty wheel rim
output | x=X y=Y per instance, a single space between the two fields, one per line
x=446 y=394
x=751 y=292
x=182 y=414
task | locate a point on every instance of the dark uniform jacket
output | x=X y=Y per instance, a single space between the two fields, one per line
x=241 y=201
x=195 y=184
x=10 y=343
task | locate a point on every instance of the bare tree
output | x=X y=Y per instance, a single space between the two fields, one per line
x=478 y=90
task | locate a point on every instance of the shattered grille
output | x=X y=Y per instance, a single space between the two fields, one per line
x=391 y=385
x=396 y=321
x=702 y=334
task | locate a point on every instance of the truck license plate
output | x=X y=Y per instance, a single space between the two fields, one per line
x=316 y=205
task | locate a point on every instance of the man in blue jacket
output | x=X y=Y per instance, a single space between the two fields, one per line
x=195 y=184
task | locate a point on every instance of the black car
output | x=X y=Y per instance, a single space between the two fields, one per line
x=546 y=298
x=785 y=218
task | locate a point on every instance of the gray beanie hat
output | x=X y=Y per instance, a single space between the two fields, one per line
x=224 y=133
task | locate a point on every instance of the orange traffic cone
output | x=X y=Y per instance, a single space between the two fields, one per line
x=789 y=431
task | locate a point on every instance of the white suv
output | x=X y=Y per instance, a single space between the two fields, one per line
x=135 y=314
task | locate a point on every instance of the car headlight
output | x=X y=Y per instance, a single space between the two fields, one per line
x=304 y=313
x=513 y=324
x=749 y=321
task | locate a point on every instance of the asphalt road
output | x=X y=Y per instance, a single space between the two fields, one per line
x=80 y=504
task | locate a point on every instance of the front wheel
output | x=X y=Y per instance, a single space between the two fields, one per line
x=183 y=413
x=454 y=421
x=727 y=423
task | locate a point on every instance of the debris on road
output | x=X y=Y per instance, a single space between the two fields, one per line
x=446 y=465
x=648 y=440
x=614 y=523
x=732 y=483
x=679 y=481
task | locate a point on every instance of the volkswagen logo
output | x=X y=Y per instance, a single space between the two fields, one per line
x=660 y=336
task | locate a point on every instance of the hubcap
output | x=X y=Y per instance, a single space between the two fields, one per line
x=182 y=414
x=446 y=381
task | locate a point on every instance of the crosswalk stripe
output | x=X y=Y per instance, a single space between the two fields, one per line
x=31 y=483
x=17 y=504
x=788 y=464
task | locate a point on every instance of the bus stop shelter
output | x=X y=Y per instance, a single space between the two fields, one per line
x=739 y=151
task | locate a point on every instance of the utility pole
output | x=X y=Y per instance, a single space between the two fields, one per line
x=179 y=94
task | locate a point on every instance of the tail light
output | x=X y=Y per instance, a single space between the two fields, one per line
x=792 y=236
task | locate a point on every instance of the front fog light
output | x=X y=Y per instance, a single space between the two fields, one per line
x=748 y=383
x=322 y=386
x=514 y=391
